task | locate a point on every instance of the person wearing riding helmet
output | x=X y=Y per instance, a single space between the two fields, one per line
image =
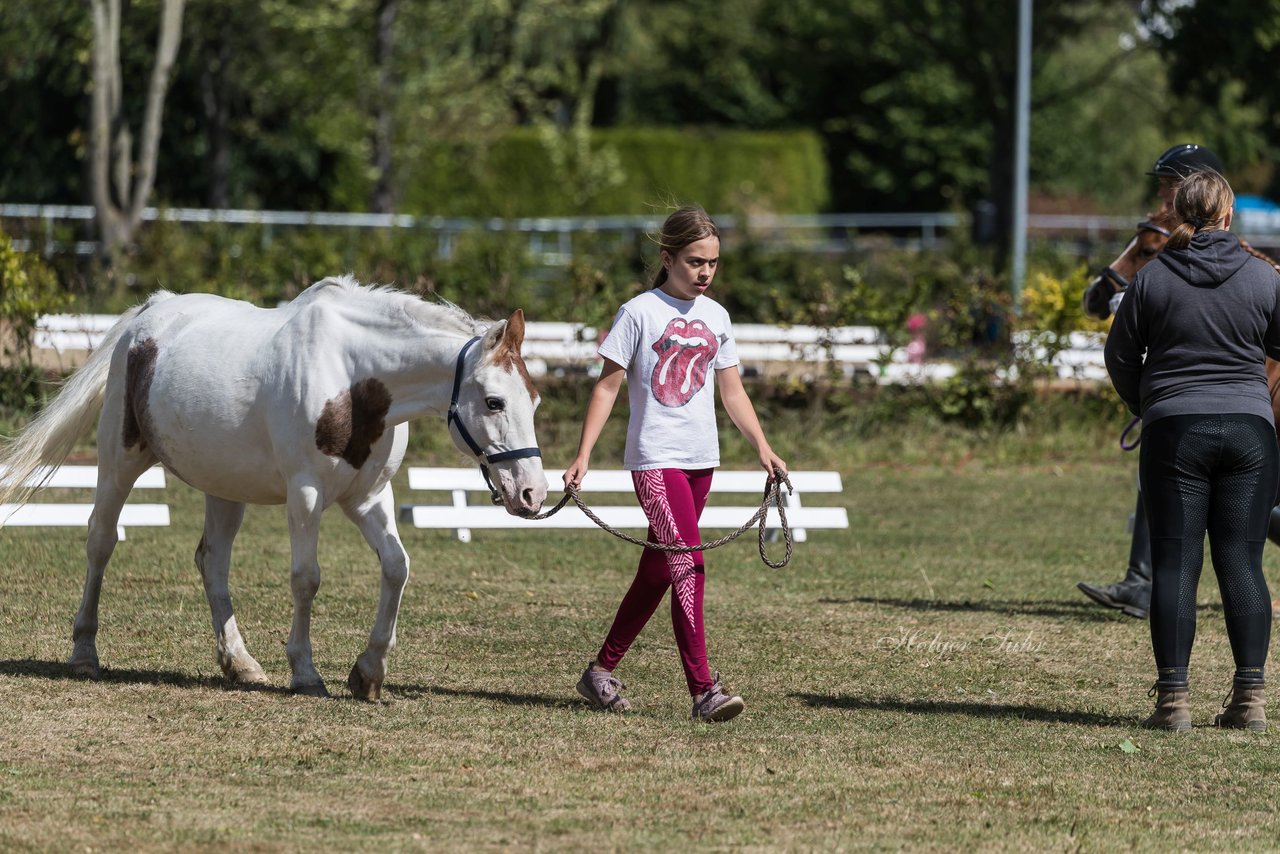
x=1132 y=594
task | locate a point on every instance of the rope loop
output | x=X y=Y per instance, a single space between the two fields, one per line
x=772 y=496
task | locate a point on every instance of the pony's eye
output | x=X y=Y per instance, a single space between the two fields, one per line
x=495 y=404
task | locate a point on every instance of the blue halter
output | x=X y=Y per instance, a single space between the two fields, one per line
x=481 y=457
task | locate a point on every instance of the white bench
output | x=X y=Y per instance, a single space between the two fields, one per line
x=462 y=516
x=84 y=477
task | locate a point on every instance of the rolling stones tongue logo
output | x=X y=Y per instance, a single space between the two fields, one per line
x=685 y=350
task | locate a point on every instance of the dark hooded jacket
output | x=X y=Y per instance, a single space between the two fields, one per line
x=1191 y=332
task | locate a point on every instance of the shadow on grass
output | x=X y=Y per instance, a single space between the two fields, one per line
x=1081 y=610
x=125 y=676
x=1087 y=611
x=951 y=707
x=411 y=692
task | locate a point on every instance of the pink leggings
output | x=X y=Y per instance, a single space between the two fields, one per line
x=672 y=500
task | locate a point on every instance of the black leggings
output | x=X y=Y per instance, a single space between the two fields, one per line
x=1217 y=473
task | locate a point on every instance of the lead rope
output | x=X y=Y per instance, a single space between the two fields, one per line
x=1124 y=435
x=772 y=494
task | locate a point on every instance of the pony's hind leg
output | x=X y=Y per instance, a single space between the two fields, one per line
x=117 y=471
x=376 y=521
x=222 y=520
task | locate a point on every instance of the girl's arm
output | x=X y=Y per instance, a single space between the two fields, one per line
x=743 y=414
x=603 y=395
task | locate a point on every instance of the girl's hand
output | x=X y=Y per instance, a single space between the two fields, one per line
x=575 y=473
x=770 y=461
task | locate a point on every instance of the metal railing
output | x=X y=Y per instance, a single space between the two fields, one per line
x=551 y=238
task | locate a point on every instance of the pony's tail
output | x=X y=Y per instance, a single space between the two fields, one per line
x=50 y=436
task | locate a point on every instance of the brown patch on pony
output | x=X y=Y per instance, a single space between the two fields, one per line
x=140 y=369
x=507 y=354
x=351 y=422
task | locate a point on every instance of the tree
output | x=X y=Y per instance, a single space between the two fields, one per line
x=382 y=198
x=1222 y=60
x=120 y=186
x=42 y=84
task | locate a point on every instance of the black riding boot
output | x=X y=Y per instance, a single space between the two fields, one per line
x=1132 y=594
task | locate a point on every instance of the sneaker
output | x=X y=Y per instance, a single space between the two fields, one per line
x=714 y=705
x=601 y=690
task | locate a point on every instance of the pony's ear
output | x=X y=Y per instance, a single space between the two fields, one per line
x=505 y=336
x=513 y=335
x=493 y=337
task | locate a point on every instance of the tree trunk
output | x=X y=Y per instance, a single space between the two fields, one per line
x=111 y=150
x=217 y=118
x=1000 y=175
x=382 y=197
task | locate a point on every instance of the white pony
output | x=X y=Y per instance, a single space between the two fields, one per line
x=286 y=406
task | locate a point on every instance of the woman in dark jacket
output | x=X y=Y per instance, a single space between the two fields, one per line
x=1186 y=354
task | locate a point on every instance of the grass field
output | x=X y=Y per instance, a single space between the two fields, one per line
x=930 y=679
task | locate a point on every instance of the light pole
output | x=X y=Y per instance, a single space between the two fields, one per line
x=1022 y=136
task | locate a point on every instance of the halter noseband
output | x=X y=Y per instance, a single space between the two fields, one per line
x=481 y=457
x=1109 y=273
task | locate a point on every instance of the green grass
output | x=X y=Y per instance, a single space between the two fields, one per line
x=929 y=679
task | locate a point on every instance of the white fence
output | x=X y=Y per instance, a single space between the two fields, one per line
x=58 y=514
x=461 y=516
x=559 y=348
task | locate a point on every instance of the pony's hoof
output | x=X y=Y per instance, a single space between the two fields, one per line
x=251 y=677
x=86 y=667
x=244 y=672
x=362 y=688
x=311 y=689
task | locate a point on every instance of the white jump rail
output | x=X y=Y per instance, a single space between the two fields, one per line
x=552 y=347
x=77 y=515
x=1079 y=357
x=462 y=516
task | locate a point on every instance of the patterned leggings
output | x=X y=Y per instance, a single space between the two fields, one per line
x=672 y=500
x=1214 y=473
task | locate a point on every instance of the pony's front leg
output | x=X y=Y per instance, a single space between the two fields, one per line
x=222 y=520
x=305 y=508
x=376 y=520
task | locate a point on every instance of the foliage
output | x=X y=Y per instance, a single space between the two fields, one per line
x=1222 y=57
x=270 y=107
x=1054 y=305
x=28 y=289
x=541 y=172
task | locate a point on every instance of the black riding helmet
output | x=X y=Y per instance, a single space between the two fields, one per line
x=1181 y=160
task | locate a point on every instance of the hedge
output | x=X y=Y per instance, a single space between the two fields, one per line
x=532 y=172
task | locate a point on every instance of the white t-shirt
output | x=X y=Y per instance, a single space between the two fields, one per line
x=671 y=349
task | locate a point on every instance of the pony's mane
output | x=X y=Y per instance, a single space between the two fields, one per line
x=441 y=314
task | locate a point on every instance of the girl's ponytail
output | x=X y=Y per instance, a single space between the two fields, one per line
x=1203 y=202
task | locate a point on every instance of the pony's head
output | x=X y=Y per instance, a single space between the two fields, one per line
x=492 y=417
x=1148 y=241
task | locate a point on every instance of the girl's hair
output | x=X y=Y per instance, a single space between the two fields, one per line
x=685 y=225
x=1203 y=201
